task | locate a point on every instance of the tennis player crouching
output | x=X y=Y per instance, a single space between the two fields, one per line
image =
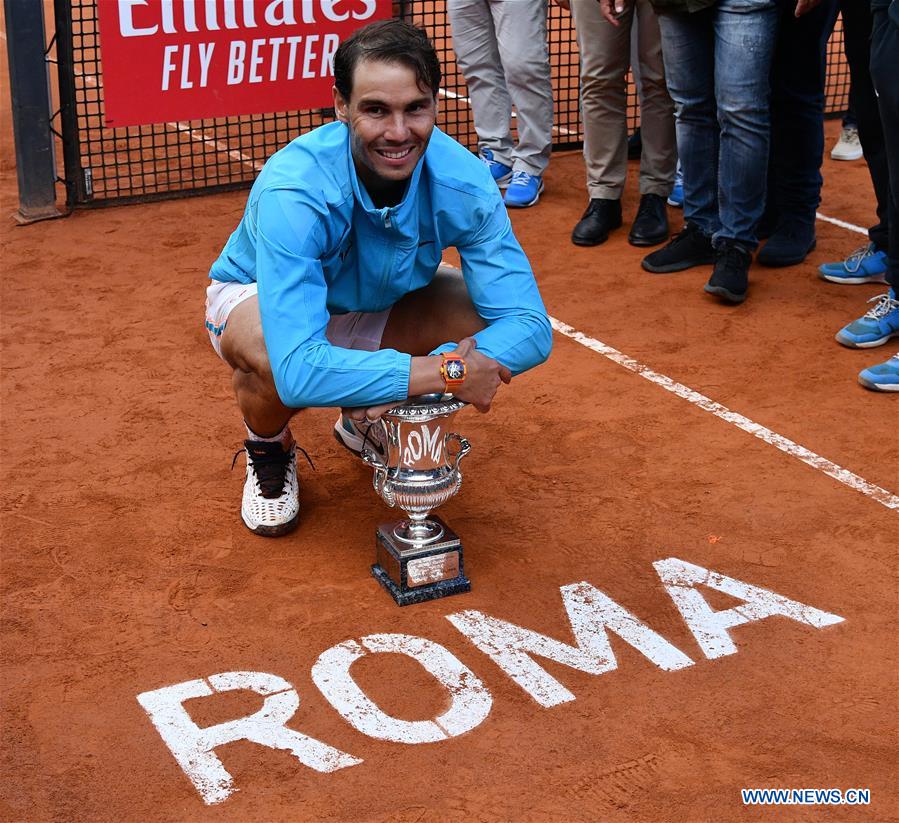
x=330 y=292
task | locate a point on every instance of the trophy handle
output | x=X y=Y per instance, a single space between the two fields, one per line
x=379 y=479
x=464 y=447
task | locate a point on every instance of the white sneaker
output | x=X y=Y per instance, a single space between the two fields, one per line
x=271 y=493
x=848 y=147
x=355 y=436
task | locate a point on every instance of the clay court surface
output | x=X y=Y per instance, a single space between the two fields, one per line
x=126 y=568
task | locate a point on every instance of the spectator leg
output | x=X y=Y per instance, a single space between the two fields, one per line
x=885 y=74
x=688 y=44
x=659 y=159
x=744 y=45
x=477 y=53
x=605 y=55
x=863 y=102
x=521 y=39
x=797 y=113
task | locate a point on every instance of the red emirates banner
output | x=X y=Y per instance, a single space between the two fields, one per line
x=169 y=60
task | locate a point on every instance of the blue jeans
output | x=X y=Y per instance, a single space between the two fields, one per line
x=718 y=64
x=797 y=113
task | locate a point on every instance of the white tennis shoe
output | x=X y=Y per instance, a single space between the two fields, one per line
x=271 y=493
x=848 y=147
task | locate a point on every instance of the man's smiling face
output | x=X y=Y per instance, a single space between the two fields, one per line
x=390 y=118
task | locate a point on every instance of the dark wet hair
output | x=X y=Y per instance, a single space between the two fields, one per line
x=391 y=41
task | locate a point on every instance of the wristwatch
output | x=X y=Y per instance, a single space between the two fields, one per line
x=453 y=371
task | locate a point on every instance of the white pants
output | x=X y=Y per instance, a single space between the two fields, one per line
x=354 y=330
x=501 y=49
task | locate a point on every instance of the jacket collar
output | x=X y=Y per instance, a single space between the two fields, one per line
x=397 y=213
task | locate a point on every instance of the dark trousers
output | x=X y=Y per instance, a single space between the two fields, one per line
x=863 y=102
x=798 y=74
x=885 y=74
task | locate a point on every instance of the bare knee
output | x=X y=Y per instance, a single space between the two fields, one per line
x=243 y=348
x=243 y=344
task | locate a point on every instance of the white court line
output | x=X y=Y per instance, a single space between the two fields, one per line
x=787 y=446
x=841 y=223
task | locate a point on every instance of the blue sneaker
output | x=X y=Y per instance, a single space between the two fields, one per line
x=676 y=198
x=524 y=190
x=500 y=172
x=882 y=377
x=876 y=327
x=864 y=265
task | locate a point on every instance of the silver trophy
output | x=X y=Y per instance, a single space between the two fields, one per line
x=419 y=557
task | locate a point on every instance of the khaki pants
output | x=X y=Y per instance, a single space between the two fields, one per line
x=605 y=57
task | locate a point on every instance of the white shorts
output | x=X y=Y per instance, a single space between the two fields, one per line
x=354 y=330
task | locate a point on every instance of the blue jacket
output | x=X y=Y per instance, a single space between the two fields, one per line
x=313 y=241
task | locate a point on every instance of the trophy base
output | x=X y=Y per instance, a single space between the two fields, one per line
x=414 y=573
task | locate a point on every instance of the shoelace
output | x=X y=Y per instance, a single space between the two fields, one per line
x=885 y=305
x=367 y=438
x=854 y=261
x=270 y=463
x=685 y=234
x=520 y=178
x=489 y=160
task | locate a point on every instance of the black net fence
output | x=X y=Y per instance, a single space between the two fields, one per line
x=837 y=84
x=136 y=163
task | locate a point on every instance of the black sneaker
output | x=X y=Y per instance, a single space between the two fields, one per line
x=689 y=248
x=730 y=277
x=600 y=218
